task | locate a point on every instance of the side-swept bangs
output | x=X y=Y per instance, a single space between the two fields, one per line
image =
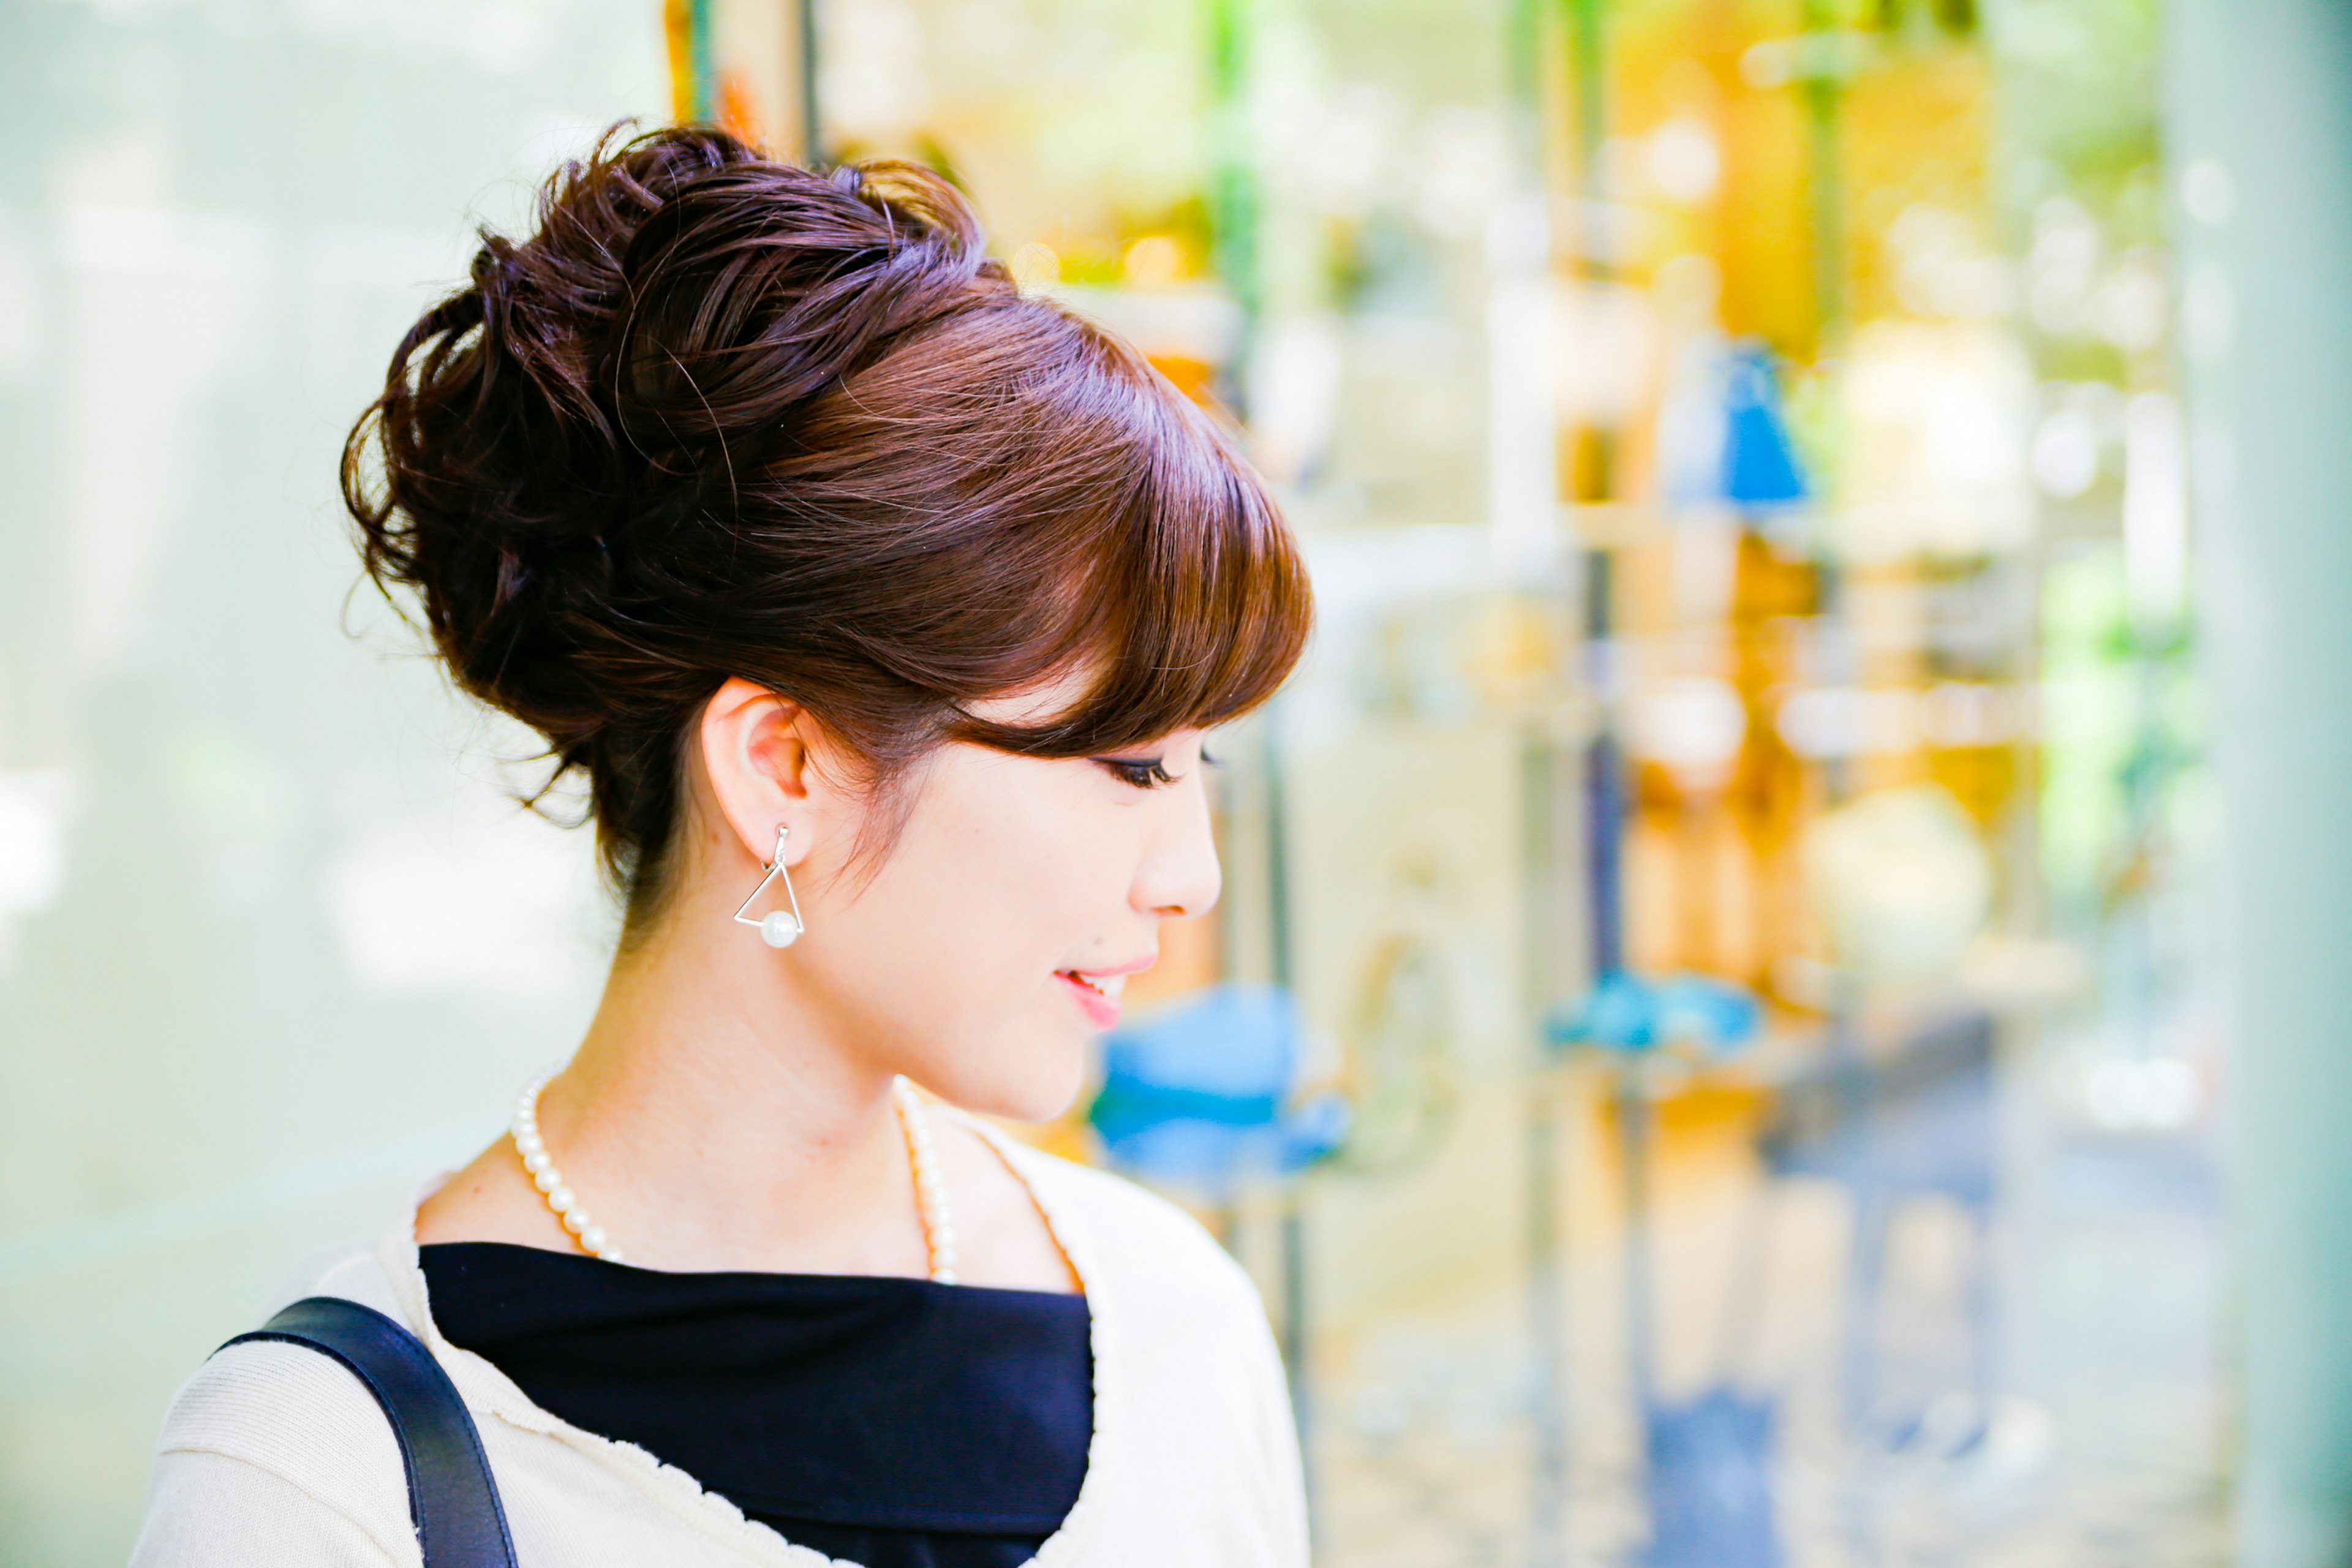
x=1185 y=602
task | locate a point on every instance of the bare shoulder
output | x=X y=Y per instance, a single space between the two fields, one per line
x=490 y=1200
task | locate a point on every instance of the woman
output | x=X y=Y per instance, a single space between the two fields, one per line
x=857 y=582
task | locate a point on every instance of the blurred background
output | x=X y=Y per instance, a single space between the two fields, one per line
x=1777 y=998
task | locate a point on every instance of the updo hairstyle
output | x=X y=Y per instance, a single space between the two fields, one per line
x=720 y=416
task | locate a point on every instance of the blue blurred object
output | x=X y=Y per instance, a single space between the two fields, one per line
x=1626 y=1013
x=1707 y=1481
x=1199 y=1094
x=1710 y=1492
x=1760 y=469
x=1919 y=1119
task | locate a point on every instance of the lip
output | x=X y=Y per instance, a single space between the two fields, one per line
x=1101 y=1011
x=1132 y=966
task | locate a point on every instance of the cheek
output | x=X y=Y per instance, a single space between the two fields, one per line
x=1004 y=872
x=1043 y=848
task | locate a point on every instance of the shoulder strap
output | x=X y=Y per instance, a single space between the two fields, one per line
x=451 y=1497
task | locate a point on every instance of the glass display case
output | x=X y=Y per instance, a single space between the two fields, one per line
x=1707 y=1046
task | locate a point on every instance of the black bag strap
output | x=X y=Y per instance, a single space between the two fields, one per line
x=451 y=1497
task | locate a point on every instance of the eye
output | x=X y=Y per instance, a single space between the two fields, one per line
x=1142 y=772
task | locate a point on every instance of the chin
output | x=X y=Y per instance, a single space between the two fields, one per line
x=1037 y=1080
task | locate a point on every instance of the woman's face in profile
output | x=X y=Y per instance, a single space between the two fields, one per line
x=993 y=941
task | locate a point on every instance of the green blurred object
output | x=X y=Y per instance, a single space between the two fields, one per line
x=702 y=57
x=1232 y=179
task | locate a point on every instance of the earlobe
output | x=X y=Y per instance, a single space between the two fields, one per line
x=757 y=762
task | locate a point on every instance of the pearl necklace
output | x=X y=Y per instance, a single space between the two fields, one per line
x=922 y=1157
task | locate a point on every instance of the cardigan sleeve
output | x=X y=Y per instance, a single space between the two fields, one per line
x=273 y=1456
x=1284 y=1493
x=208 y=1511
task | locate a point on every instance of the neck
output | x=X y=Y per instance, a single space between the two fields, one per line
x=718 y=1116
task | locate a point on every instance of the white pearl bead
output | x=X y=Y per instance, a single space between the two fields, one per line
x=546 y=1180
x=561 y=1200
x=778 y=928
x=528 y=1143
x=592 y=1237
x=576 y=1220
x=538 y=1160
x=611 y=1255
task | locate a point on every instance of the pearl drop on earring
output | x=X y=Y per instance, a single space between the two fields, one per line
x=778 y=928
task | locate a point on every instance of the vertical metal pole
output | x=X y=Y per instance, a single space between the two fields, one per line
x=1234 y=238
x=1604 y=773
x=1588 y=72
x=1604 y=759
x=1280 y=963
x=1588 y=76
x=1634 y=1130
x=1234 y=220
x=812 y=110
x=1547 y=1284
x=1824 y=88
x=1539 y=787
x=1297 y=1347
x=1233 y=187
x=702 y=45
x=2259 y=134
x=1548 y=1309
x=1825 y=186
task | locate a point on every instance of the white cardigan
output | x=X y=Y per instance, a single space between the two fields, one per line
x=274 y=1457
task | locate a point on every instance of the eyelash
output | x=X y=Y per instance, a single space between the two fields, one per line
x=1150 y=773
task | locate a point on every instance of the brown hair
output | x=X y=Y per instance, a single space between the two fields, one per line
x=721 y=416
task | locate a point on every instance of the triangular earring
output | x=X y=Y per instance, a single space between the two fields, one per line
x=777 y=928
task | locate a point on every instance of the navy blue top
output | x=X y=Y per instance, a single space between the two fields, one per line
x=893 y=1423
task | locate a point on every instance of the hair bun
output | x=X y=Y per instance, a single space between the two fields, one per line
x=740 y=312
x=608 y=375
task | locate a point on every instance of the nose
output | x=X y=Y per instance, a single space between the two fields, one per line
x=1179 y=875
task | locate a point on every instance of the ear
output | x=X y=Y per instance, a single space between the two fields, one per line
x=760 y=753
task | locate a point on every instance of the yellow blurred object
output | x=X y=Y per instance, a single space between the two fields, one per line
x=1035 y=266
x=1903 y=883
x=1152 y=262
x=677 y=31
